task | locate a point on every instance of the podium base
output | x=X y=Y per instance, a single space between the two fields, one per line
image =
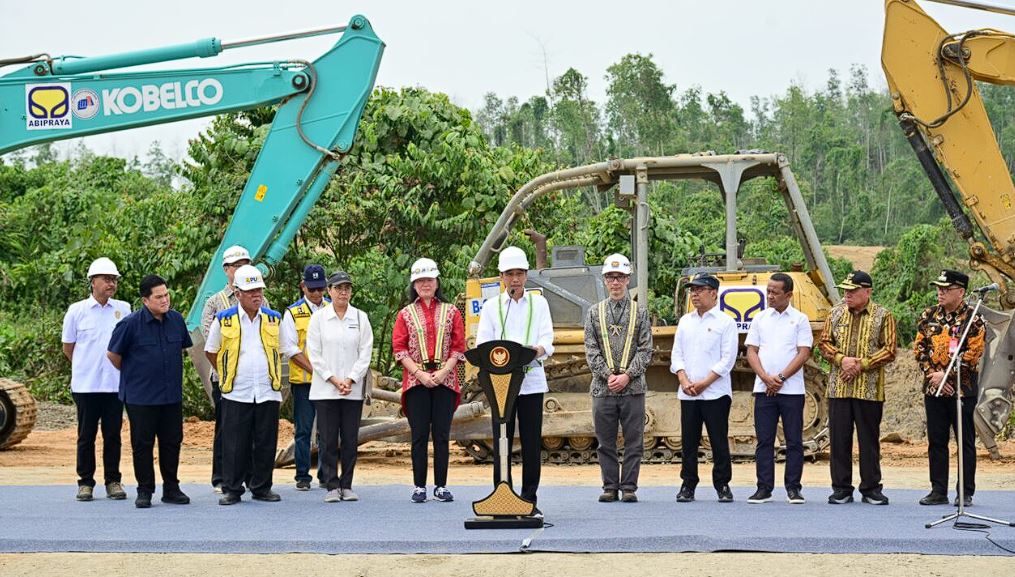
x=504 y=523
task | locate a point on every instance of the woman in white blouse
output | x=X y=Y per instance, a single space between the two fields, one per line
x=339 y=344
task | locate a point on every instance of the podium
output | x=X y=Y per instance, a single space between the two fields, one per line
x=501 y=367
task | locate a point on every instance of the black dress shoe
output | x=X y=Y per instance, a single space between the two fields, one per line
x=144 y=500
x=934 y=499
x=725 y=494
x=686 y=495
x=174 y=497
x=269 y=496
x=229 y=499
x=967 y=501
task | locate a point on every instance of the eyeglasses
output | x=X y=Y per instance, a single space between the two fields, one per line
x=342 y=288
x=615 y=278
x=944 y=289
x=316 y=290
x=698 y=288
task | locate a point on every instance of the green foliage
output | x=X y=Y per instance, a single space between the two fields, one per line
x=903 y=273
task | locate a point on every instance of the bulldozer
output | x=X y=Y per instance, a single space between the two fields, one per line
x=932 y=76
x=571 y=286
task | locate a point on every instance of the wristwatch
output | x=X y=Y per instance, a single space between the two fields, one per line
x=782 y=379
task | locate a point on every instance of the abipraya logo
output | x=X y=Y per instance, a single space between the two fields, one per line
x=743 y=304
x=85 y=103
x=47 y=106
x=168 y=96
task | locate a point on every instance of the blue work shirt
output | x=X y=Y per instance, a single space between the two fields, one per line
x=151 y=372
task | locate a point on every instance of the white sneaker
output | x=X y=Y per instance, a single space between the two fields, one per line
x=419 y=495
x=333 y=496
x=349 y=495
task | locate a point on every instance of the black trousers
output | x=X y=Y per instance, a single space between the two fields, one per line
x=865 y=416
x=216 y=444
x=767 y=412
x=148 y=422
x=715 y=415
x=338 y=430
x=429 y=411
x=249 y=431
x=93 y=409
x=528 y=410
x=940 y=419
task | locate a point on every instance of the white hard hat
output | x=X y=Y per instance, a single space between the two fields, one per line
x=247 y=278
x=617 y=263
x=424 y=268
x=235 y=253
x=511 y=258
x=102 y=265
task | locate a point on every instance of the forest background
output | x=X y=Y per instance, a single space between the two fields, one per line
x=428 y=178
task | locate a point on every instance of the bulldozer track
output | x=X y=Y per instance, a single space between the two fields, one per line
x=17 y=413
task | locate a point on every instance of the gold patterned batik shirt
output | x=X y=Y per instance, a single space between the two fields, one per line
x=868 y=334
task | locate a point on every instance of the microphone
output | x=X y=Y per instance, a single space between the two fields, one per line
x=513 y=290
x=986 y=289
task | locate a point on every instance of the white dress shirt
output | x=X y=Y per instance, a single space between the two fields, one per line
x=339 y=347
x=516 y=323
x=89 y=325
x=705 y=343
x=251 y=383
x=777 y=336
x=291 y=345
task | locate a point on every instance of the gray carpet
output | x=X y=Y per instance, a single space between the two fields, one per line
x=36 y=519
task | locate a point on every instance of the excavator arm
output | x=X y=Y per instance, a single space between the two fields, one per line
x=51 y=99
x=932 y=77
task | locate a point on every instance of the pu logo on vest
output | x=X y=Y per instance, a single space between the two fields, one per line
x=47 y=106
x=168 y=96
x=743 y=304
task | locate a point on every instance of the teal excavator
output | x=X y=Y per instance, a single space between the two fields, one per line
x=321 y=101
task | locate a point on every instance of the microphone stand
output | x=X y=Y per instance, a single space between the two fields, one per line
x=954 y=362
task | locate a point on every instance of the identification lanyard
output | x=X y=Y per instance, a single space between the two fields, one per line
x=503 y=319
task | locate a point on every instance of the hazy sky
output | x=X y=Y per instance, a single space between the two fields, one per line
x=465 y=49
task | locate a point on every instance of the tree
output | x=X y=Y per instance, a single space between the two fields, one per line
x=640 y=111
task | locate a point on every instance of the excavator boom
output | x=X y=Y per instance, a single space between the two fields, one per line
x=321 y=102
x=932 y=77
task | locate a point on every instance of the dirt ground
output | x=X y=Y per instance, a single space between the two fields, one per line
x=47 y=457
x=862 y=257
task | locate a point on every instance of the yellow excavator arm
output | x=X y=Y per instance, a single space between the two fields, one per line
x=932 y=77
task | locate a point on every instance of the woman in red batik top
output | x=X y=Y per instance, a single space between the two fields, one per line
x=429 y=341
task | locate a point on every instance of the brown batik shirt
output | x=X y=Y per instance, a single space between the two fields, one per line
x=934 y=334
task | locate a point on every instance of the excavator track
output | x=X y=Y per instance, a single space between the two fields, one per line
x=17 y=413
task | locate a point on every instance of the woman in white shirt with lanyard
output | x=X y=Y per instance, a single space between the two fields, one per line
x=339 y=344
